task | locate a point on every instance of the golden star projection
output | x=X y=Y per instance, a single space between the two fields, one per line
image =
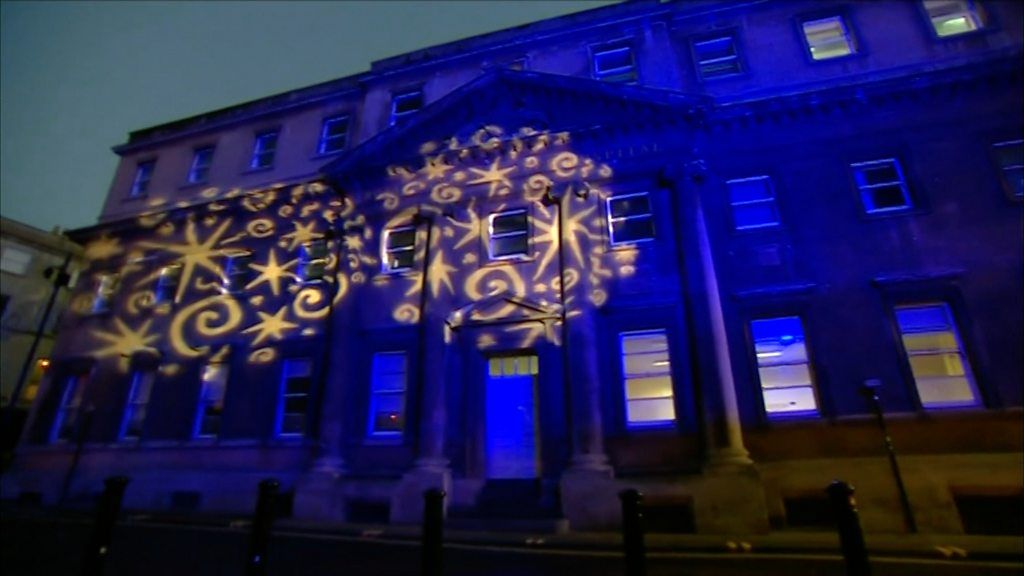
x=123 y=341
x=270 y=326
x=436 y=167
x=193 y=254
x=271 y=273
x=102 y=248
x=493 y=175
x=303 y=233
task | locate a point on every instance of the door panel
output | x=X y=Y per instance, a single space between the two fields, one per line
x=511 y=422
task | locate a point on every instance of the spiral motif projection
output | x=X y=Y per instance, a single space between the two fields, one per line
x=229 y=282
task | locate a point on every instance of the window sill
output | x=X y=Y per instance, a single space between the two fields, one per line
x=326 y=155
x=135 y=197
x=259 y=170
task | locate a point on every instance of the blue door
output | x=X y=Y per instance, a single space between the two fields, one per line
x=511 y=417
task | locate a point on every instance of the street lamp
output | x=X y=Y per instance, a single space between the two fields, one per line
x=870 y=392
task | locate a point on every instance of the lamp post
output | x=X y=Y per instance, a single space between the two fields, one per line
x=870 y=392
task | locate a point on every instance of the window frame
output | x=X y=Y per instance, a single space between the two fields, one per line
x=979 y=15
x=395 y=116
x=385 y=264
x=1004 y=181
x=970 y=374
x=132 y=405
x=625 y=377
x=282 y=395
x=373 y=394
x=144 y=170
x=307 y=259
x=611 y=220
x=199 y=172
x=491 y=236
x=779 y=313
x=227 y=280
x=20 y=265
x=622 y=75
x=849 y=33
x=107 y=286
x=730 y=34
x=73 y=387
x=910 y=202
x=262 y=152
x=202 y=404
x=322 y=147
x=773 y=200
x=168 y=280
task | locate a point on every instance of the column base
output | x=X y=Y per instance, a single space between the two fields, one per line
x=319 y=494
x=589 y=494
x=730 y=499
x=407 y=500
x=725 y=459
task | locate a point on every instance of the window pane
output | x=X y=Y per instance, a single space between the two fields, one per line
x=508 y=223
x=632 y=230
x=636 y=343
x=784 y=375
x=387 y=391
x=887 y=197
x=509 y=246
x=937 y=362
x=633 y=205
x=401 y=238
x=827 y=38
x=782 y=365
x=650 y=411
x=880 y=174
x=293 y=424
x=755 y=215
x=750 y=189
x=952 y=17
x=783 y=400
x=653 y=387
x=612 y=60
x=650 y=363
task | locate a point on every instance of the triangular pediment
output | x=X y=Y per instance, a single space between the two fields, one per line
x=504 y=308
x=503 y=105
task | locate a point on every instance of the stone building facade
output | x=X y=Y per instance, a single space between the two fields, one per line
x=660 y=245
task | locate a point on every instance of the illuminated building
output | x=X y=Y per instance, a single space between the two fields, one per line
x=655 y=245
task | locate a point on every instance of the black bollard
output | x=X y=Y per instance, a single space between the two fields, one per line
x=433 y=532
x=103 y=528
x=633 y=532
x=266 y=510
x=851 y=537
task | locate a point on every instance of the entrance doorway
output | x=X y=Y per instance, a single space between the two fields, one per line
x=511 y=418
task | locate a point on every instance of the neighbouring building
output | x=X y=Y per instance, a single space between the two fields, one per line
x=660 y=245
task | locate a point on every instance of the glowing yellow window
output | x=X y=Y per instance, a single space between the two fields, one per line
x=941 y=371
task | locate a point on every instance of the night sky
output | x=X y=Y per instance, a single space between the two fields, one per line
x=76 y=77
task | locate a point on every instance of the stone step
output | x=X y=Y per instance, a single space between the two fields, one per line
x=532 y=526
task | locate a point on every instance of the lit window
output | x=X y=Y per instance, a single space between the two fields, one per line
x=237 y=272
x=143 y=174
x=296 y=383
x=167 y=284
x=614 y=63
x=211 y=400
x=65 y=423
x=647 y=378
x=138 y=402
x=106 y=287
x=313 y=260
x=828 y=38
x=783 y=368
x=399 y=248
x=333 y=135
x=881 y=184
x=509 y=234
x=630 y=218
x=201 y=160
x=387 y=394
x=405 y=104
x=753 y=203
x=263 y=149
x=953 y=17
x=15 y=260
x=941 y=372
x=1010 y=156
x=717 y=57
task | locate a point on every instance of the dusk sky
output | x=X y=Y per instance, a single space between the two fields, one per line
x=76 y=77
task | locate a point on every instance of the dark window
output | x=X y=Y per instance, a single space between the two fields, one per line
x=201 y=160
x=716 y=57
x=263 y=149
x=614 y=63
x=509 y=234
x=65 y=423
x=143 y=174
x=399 y=248
x=167 y=283
x=630 y=218
x=237 y=272
x=882 y=187
x=106 y=288
x=296 y=384
x=313 y=260
x=138 y=403
x=333 y=134
x=406 y=104
x=1010 y=157
x=753 y=203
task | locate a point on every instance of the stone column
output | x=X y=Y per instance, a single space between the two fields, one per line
x=731 y=497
